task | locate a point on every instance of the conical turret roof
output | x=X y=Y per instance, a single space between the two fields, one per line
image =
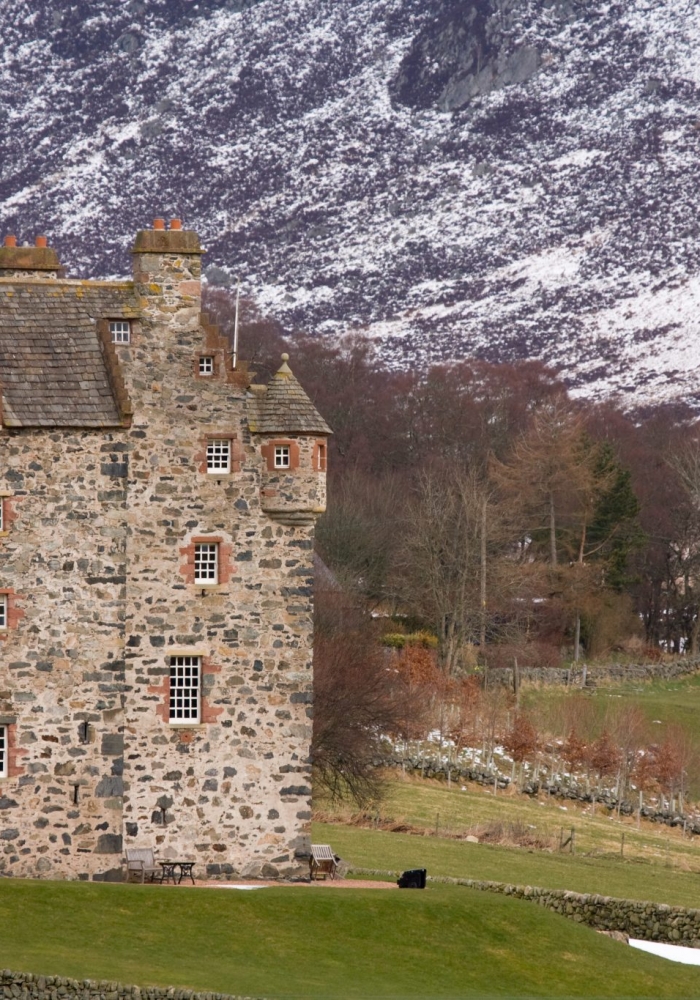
x=282 y=407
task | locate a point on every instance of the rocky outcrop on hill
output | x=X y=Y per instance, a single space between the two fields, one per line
x=501 y=178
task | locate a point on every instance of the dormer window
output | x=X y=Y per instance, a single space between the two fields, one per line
x=282 y=456
x=206 y=365
x=120 y=331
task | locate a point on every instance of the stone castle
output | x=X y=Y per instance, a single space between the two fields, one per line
x=157 y=512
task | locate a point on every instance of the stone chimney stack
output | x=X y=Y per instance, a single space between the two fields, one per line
x=39 y=261
x=167 y=277
x=167 y=263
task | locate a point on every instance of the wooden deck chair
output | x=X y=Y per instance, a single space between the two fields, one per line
x=141 y=865
x=322 y=862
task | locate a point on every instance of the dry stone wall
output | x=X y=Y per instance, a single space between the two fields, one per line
x=25 y=986
x=578 y=676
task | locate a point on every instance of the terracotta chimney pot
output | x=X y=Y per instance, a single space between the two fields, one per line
x=10 y=241
x=176 y=223
x=41 y=241
x=159 y=223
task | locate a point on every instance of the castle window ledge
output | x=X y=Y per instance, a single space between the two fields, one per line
x=211 y=588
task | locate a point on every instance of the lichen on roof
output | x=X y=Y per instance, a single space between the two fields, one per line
x=282 y=407
x=54 y=371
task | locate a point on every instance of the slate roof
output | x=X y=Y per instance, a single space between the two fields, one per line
x=55 y=368
x=282 y=407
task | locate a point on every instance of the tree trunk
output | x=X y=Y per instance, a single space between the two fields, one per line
x=482 y=582
x=577 y=638
x=552 y=532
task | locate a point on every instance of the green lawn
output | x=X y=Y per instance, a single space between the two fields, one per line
x=659 y=863
x=429 y=804
x=285 y=942
x=662 y=701
x=396 y=851
x=675 y=701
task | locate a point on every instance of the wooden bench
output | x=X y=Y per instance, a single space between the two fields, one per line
x=322 y=862
x=141 y=865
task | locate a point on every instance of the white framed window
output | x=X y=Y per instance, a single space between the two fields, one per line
x=219 y=455
x=120 y=331
x=3 y=611
x=206 y=562
x=206 y=366
x=282 y=456
x=185 y=684
x=4 y=740
x=2 y=514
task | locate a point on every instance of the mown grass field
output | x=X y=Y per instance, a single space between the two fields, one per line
x=658 y=864
x=675 y=701
x=313 y=942
x=444 y=942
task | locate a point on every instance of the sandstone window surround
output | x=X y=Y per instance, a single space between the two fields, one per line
x=120 y=331
x=185 y=690
x=215 y=441
x=6 y=513
x=281 y=455
x=209 y=364
x=10 y=613
x=172 y=691
x=9 y=767
x=200 y=561
x=320 y=457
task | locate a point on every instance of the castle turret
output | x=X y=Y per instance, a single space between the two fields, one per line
x=292 y=437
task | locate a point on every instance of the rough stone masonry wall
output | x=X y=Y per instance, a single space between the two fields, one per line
x=233 y=792
x=62 y=554
x=24 y=986
x=644 y=920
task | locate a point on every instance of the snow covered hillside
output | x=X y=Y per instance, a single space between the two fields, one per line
x=506 y=178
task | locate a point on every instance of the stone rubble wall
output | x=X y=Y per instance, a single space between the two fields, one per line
x=62 y=658
x=25 y=986
x=638 y=919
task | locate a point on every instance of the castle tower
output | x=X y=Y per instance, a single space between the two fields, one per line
x=174 y=692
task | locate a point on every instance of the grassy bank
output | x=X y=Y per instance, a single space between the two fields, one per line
x=658 y=863
x=443 y=942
